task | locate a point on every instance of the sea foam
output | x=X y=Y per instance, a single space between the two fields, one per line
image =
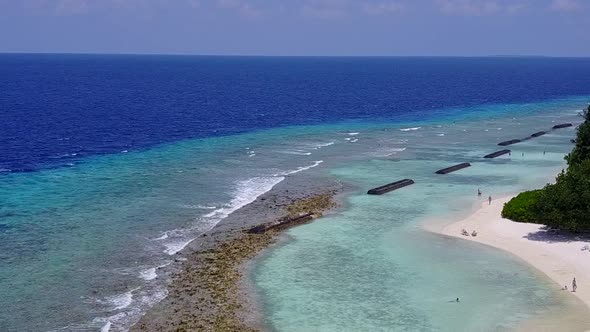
x=245 y=192
x=300 y=169
x=122 y=301
x=297 y=152
x=149 y=274
x=106 y=327
x=386 y=152
x=410 y=129
x=321 y=145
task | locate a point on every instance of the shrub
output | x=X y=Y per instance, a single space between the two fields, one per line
x=522 y=207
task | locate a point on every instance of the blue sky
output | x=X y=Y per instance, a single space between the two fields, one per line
x=298 y=27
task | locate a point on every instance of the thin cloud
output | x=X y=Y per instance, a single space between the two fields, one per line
x=325 y=9
x=71 y=7
x=565 y=5
x=243 y=8
x=83 y=7
x=382 y=8
x=480 y=8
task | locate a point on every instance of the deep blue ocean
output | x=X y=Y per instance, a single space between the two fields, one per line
x=111 y=164
x=61 y=108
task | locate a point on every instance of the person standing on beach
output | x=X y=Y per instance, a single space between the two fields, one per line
x=490 y=200
x=574 y=285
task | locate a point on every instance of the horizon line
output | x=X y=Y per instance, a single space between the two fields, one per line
x=298 y=56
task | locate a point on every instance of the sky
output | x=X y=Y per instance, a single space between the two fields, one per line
x=298 y=27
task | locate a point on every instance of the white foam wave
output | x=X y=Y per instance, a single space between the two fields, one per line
x=106 y=327
x=63 y=155
x=354 y=140
x=353 y=134
x=348 y=138
x=149 y=274
x=300 y=169
x=122 y=301
x=163 y=237
x=387 y=152
x=297 y=152
x=245 y=192
x=176 y=246
x=410 y=129
x=202 y=207
x=125 y=318
x=440 y=134
x=323 y=145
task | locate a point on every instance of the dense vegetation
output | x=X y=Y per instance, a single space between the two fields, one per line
x=565 y=204
x=520 y=207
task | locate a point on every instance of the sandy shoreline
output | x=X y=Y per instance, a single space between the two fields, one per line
x=556 y=254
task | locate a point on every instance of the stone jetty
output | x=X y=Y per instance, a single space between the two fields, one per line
x=390 y=186
x=282 y=223
x=453 y=168
x=512 y=141
x=539 y=133
x=497 y=153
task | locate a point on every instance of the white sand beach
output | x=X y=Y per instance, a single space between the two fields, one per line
x=557 y=255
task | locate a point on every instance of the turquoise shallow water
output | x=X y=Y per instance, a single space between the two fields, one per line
x=370 y=267
x=79 y=245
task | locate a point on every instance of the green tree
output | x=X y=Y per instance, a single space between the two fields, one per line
x=566 y=204
x=581 y=150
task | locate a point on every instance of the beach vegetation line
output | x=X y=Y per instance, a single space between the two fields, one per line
x=566 y=203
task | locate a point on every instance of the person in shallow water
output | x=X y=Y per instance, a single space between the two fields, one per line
x=489 y=200
x=478 y=192
x=457 y=300
x=574 y=285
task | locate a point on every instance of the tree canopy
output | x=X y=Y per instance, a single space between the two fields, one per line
x=565 y=204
